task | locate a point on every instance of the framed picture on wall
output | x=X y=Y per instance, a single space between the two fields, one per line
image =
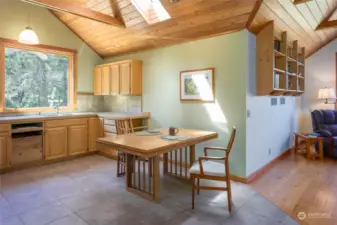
x=197 y=85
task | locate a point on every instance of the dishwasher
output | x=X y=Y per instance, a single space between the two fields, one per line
x=27 y=143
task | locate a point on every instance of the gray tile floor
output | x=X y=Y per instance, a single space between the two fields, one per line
x=86 y=191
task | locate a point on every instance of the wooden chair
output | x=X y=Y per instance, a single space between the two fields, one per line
x=211 y=170
x=123 y=127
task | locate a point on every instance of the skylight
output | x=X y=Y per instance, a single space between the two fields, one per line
x=152 y=10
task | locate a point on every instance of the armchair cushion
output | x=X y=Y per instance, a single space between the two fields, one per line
x=324 y=133
x=211 y=168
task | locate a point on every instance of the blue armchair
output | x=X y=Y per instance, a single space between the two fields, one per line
x=324 y=122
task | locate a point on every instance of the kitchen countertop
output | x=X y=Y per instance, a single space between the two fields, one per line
x=53 y=116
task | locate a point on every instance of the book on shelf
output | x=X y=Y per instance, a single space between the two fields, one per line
x=277 y=45
x=276 y=81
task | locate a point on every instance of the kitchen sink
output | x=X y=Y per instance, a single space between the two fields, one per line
x=54 y=114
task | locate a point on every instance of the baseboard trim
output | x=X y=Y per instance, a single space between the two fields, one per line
x=258 y=173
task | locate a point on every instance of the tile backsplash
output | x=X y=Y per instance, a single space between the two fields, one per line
x=122 y=103
x=90 y=103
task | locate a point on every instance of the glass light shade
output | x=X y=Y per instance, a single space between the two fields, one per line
x=28 y=36
x=326 y=93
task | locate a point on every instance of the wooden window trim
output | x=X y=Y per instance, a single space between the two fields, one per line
x=72 y=73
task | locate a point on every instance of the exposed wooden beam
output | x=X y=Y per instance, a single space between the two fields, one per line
x=301 y=1
x=116 y=10
x=253 y=13
x=72 y=30
x=66 y=6
x=326 y=23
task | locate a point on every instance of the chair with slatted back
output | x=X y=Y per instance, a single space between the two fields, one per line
x=123 y=127
x=213 y=168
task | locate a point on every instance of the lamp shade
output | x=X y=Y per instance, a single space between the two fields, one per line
x=326 y=93
x=28 y=36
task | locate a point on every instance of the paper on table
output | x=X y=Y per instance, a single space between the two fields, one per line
x=172 y=138
x=145 y=133
x=153 y=131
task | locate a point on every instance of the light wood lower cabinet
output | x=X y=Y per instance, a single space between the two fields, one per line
x=55 y=143
x=4 y=150
x=95 y=130
x=77 y=139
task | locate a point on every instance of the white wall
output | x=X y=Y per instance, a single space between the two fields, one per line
x=320 y=72
x=268 y=127
x=161 y=71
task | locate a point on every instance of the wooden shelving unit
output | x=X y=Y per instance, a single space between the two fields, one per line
x=280 y=64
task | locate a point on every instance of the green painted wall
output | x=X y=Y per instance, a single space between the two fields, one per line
x=51 y=31
x=161 y=69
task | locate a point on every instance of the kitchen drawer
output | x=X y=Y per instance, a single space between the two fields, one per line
x=22 y=156
x=109 y=128
x=109 y=122
x=26 y=149
x=24 y=142
x=64 y=123
x=5 y=128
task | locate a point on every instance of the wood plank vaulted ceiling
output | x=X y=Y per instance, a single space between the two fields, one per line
x=195 y=19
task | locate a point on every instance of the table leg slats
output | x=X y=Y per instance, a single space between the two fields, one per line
x=121 y=162
x=141 y=179
x=179 y=161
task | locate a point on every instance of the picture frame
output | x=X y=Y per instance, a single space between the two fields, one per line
x=197 y=85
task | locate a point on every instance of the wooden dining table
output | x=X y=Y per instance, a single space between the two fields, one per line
x=145 y=151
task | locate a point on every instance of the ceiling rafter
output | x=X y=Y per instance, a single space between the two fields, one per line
x=326 y=22
x=296 y=2
x=116 y=10
x=90 y=46
x=66 y=6
x=253 y=13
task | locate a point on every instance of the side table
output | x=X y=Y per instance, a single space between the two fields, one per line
x=309 y=140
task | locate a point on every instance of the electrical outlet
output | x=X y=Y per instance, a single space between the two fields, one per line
x=269 y=151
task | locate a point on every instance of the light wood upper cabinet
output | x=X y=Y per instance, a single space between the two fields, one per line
x=98 y=81
x=114 y=79
x=136 y=77
x=77 y=139
x=123 y=77
x=106 y=80
x=95 y=131
x=4 y=150
x=55 y=142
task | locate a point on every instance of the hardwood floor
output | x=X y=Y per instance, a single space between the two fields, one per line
x=297 y=185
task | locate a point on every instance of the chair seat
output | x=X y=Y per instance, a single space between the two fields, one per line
x=211 y=168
